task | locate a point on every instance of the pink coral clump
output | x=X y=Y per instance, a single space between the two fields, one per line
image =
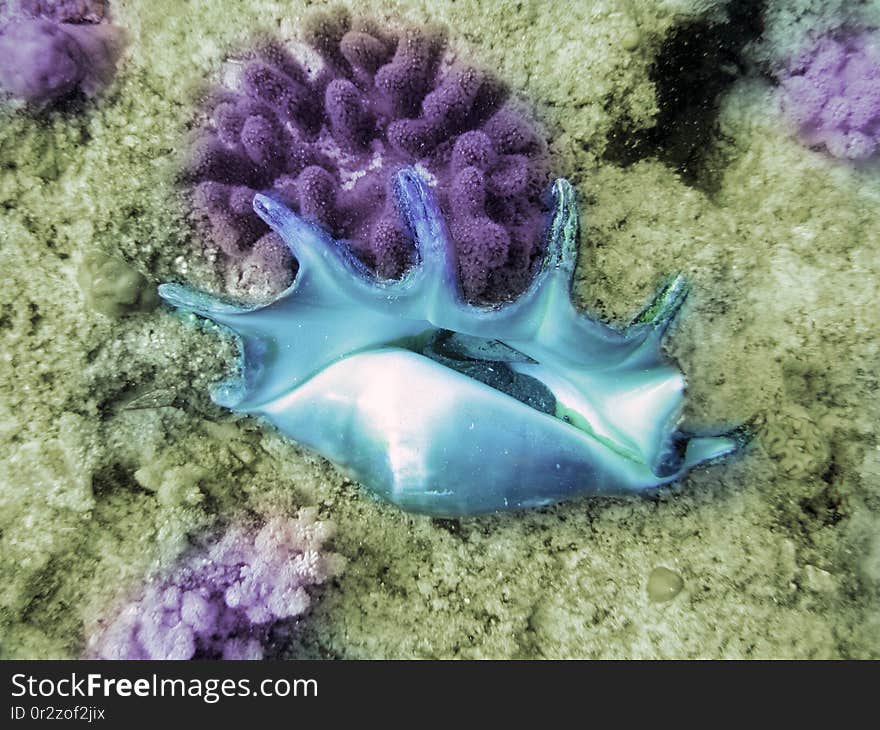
x=832 y=93
x=51 y=50
x=327 y=139
x=223 y=602
x=66 y=11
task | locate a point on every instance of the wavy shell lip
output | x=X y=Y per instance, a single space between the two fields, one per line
x=450 y=409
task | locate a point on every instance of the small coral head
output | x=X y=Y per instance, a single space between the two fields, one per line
x=65 y=11
x=328 y=141
x=48 y=53
x=832 y=93
x=224 y=600
x=40 y=61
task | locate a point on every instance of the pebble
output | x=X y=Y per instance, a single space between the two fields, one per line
x=631 y=40
x=664 y=584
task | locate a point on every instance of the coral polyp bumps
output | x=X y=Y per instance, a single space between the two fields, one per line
x=52 y=50
x=832 y=92
x=327 y=137
x=435 y=402
x=225 y=600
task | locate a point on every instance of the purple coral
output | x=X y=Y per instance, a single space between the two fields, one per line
x=49 y=50
x=832 y=92
x=224 y=602
x=327 y=141
x=66 y=11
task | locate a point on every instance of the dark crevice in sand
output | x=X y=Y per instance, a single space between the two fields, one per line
x=696 y=63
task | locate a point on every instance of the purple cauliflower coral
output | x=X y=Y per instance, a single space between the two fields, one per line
x=327 y=138
x=832 y=93
x=224 y=602
x=65 y=11
x=48 y=50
